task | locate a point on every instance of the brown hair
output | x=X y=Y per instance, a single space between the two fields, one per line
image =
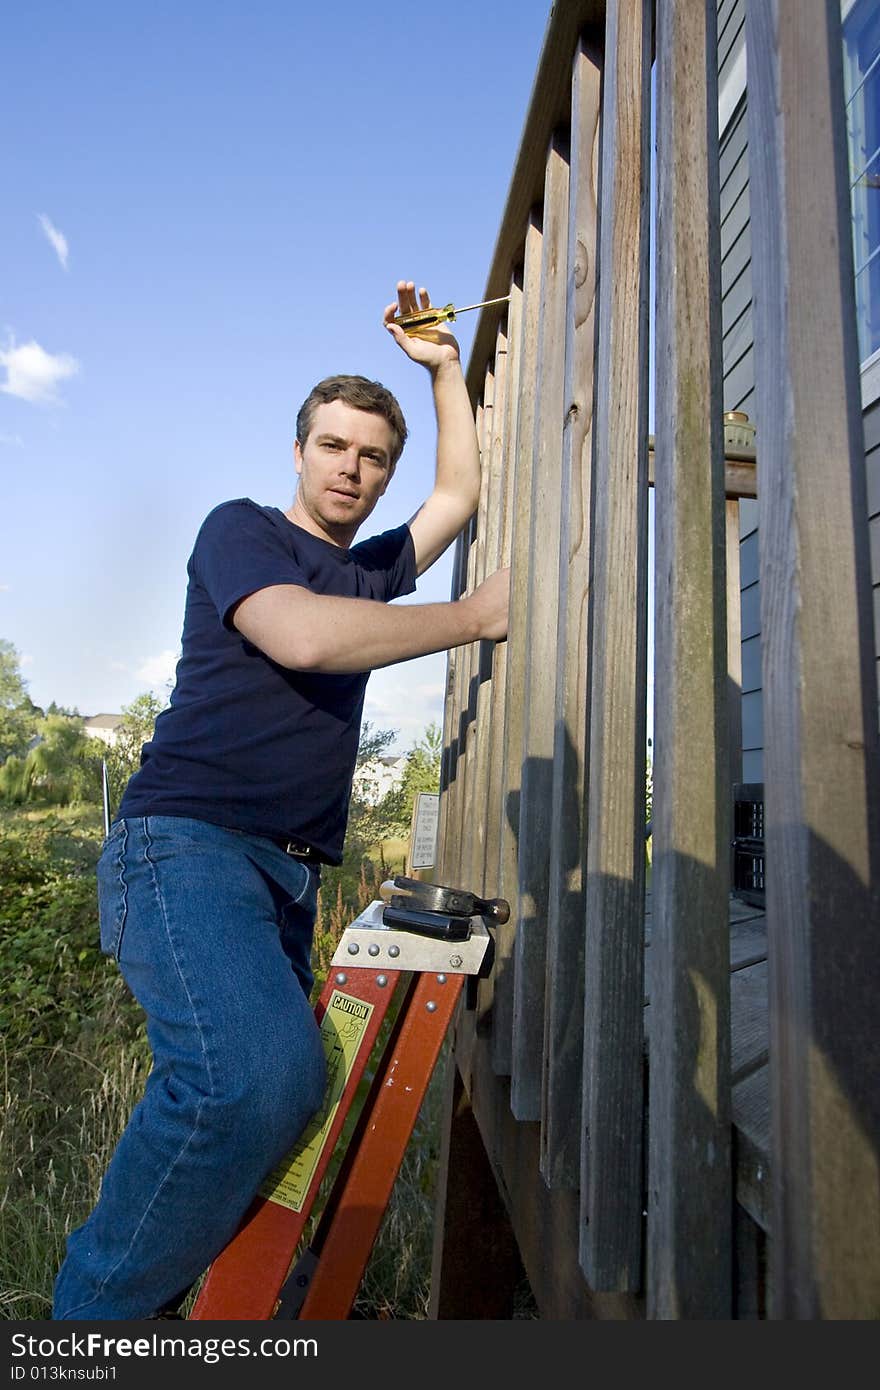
x=360 y=394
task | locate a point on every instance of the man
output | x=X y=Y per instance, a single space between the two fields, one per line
x=209 y=876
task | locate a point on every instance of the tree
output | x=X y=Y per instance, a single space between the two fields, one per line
x=18 y=713
x=365 y=821
x=421 y=773
x=123 y=757
x=62 y=766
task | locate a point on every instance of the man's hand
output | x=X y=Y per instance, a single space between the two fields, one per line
x=490 y=602
x=432 y=348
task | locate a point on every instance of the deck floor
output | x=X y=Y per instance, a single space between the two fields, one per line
x=749 y=1017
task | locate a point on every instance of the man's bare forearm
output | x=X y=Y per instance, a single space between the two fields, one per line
x=320 y=632
x=458 y=453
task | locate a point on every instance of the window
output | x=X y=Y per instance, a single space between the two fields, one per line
x=861 y=80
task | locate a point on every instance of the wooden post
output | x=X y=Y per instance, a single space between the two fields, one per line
x=689 y=1178
x=564 y=993
x=822 y=767
x=506 y=436
x=517 y=651
x=493 y=464
x=538 y=692
x=613 y=1099
x=449 y=761
x=472 y=801
x=734 y=658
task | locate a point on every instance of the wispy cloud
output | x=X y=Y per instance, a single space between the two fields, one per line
x=407 y=698
x=56 y=239
x=33 y=374
x=5 y=588
x=11 y=441
x=159 y=670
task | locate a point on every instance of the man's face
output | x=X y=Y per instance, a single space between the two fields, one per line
x=344 y=467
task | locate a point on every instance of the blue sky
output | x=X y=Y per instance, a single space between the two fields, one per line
x=207 y=206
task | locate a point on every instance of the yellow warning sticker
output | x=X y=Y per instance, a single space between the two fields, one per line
x=342 y=1029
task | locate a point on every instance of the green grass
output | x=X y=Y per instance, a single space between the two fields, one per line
x=75 y=1064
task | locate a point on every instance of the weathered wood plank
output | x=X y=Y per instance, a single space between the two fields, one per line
x=463 y=704
x=517 y=650
x=539 y=693
x=689 y=1180
x=495 y=796
x=449 y=819
x=473 y=810
x=493 y=464
x=449 y=757
x=613 y=1099
x=549 y=108
x=490 y=716
x=563 y=1024
x=822 y=763
x=734 y=658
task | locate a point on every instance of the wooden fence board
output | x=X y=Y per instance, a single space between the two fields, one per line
x=563 y=1027
x=689 y=1178
x=541 y=617
x=472 y=805
x=613 y=1102
x=517 y=651
x=495 y=792
x=490 y=717
x=493 y=465
x=822 y=772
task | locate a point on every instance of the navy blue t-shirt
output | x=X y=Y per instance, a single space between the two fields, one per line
x=245 y=742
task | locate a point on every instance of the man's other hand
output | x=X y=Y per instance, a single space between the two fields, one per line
x=490 y=602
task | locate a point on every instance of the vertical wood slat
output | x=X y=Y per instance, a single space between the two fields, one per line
x=449 y=760
x=495 y=808
x=493 y=460
x=517 y=651
x=734 y=662
x=463 y=724
x=613 y=1105
x=472 y=810
x=489 y=713
x=689 y=1179
x=539 y=688
x=822 y=768
x=734 y=638
x=564 y=993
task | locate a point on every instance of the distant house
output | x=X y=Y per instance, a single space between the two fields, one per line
x=375 y=779
x=102 y=726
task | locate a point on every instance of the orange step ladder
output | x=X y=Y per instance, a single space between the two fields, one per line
x=258 y=1275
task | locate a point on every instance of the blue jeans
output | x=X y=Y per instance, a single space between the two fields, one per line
x=212 y=930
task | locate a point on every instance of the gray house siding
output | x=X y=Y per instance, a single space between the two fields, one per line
x=739 y=381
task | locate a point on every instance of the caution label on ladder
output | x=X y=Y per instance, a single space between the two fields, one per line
x=342 y=1029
